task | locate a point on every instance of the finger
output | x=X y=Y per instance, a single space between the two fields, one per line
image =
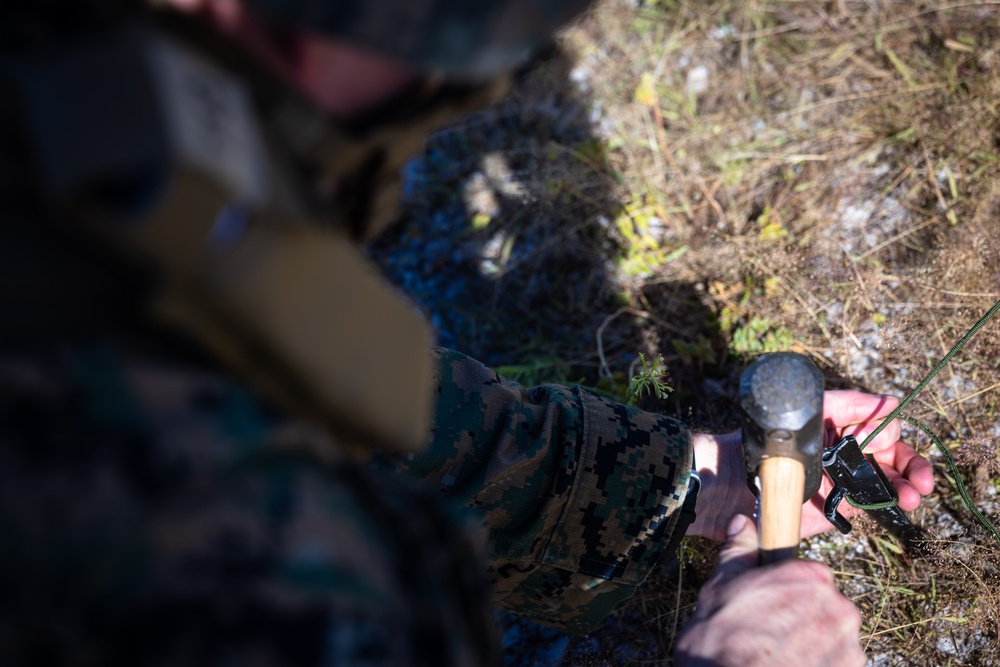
x=888 y=437
x=848 y=406
x=740 y=552
x=860 y=414
x=909 y=497
x=906 y=494
x=919 y=472
x=912 y=466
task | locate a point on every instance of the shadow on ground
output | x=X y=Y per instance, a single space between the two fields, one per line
x=510 y=240
x=503 y=236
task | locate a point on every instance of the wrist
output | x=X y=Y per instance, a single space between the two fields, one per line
x=724 y=492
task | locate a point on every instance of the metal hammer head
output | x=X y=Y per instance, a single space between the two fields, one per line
x=781 y=401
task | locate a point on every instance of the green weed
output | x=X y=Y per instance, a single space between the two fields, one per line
x=649 y=380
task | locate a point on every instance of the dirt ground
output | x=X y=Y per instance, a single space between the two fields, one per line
x=711 y=181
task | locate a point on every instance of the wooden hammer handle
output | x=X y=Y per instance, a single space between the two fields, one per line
x=782 y=483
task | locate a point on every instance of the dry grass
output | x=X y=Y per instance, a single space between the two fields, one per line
x=833 y=169
x=819 y=175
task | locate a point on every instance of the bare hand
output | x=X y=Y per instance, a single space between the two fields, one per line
x=724 y=489
x=858 y=414
x=788 y=614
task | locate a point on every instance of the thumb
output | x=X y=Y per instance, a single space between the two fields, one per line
x=740 y=552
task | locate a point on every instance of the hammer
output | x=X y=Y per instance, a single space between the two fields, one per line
x=781 y=402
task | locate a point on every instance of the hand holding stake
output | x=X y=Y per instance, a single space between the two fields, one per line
x=781 y=401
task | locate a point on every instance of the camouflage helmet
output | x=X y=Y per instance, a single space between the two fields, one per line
x=459 y=37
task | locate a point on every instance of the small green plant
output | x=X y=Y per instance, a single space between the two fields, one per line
x=642 y=254
x=771 y=226
x=649 y=379
x=695 y=354
x=759 y=336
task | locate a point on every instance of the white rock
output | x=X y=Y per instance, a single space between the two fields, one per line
x=697 y=80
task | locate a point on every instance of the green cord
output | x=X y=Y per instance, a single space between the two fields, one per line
x=937 y=369
x=966 y=498
x=874 y=506
x=957 y=474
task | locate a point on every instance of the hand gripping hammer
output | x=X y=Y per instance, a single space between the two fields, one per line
x=781 y=401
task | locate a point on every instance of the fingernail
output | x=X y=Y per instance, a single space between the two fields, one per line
x=736 y=524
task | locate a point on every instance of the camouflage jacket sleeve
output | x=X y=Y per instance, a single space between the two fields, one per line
x=579 y=495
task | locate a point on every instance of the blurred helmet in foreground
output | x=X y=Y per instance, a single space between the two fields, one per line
x=463 y=38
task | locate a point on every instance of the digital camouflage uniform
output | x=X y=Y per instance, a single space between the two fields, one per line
x=579 y=495
x=155 y=511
